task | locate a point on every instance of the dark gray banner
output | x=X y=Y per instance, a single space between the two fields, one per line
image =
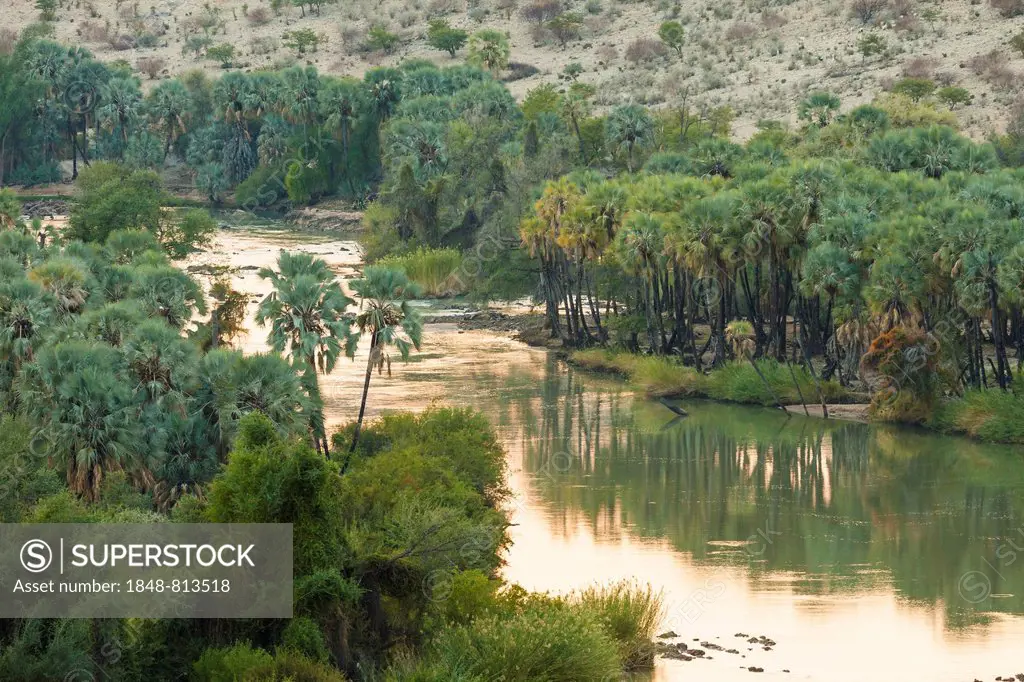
x=162 y=570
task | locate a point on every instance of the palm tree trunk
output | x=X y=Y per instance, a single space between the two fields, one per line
x=764 y=379
x=362 y=403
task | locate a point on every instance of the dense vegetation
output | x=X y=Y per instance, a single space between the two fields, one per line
x=122 y=403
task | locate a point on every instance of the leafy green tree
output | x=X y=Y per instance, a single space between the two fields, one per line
x=115 y=198
x=818 y=108
x=914 y=88
x=384 y=295
x=223 y=53
x=489 y=49
x=953 y=96
x=308 y=320
x=672 y=34
x=301 y=40
x=122 y=106
x=84 y=412
x=442 y=36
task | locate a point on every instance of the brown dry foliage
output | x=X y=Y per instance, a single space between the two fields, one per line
x=95 y=31
x=920 y=67
x=151 y=66
x=1008 y=8
x=540 y=11
x=645 y=50
x=741 y=31
x=258 y=16
x=867 y=10
x=773 y=20
x=992 y=68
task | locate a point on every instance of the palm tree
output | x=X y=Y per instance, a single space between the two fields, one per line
x=306 y=310
x=818 y=108
x=630 y=125
x=84 y=411
x=123 y=104
x=384 y=295
x=342 y=102
x=169 y=105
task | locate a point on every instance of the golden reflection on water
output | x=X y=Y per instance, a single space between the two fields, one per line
x=833 y=619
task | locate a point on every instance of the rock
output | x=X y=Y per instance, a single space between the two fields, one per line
x=699 y=653
x=755 y=669
x=731 y=651
x=668 y=635
x=740 y=634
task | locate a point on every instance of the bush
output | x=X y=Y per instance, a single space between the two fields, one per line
x=1008 y=8
x=867 y=10
x=379 y=38
x=304 y=636
x=630 y=615
x=434 y=270
x=907 y=363
x=953 y=96
x=914 y=88
x=555 y=644
x=991 y=415
x=644 y=50
x=151 y=66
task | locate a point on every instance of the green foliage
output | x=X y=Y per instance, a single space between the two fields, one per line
x=304 y=636
x=302 y=39
x=554 y=643
x=914 y=88
x=489 y=49
x=272 y=480
x=818 y=108
x=223 y=53
x=434 y=271
x=871 y=44
x=1017 y=43
x=441 y=36
x=991 y=415
x=630 y=614
x=953 y=96
x=47 y=9
x=673 y=35
x=566 y=27
x=113 y=198
x=379 y=38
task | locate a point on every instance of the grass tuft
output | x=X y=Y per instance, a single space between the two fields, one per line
x=435 y=270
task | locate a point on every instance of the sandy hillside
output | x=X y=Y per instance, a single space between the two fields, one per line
x=759 y=56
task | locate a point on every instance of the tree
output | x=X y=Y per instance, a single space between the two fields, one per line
x=384 y=295
x=630 y=125
x=302 y=39
x=341 y=103
x=169 y=105
x=671 y=33
x=114 y=198
x=489 y=49
x=122 y=99
x=870 y=44
x=442 y=36
x=380 y=38
x=47 y=9
x=953 y=96
x=306 y=311
x=818 y=108
x=222 y=53
x=566 y=27
x=740 y=335
x=914 y=88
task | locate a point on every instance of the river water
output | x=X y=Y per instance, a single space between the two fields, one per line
x=864 y=552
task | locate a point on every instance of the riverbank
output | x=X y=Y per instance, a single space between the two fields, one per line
x=991 y=416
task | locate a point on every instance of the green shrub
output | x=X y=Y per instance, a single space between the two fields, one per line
x=630 y=614
x=990 y=415
x=304 y=636
x=436 y=271
x=554 y=644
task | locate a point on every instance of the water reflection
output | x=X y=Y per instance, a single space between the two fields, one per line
x=751 y=519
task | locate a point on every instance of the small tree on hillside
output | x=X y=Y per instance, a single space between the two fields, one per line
x=818 y=108
x=671 y=33
x=302 y=39
x=442 y=36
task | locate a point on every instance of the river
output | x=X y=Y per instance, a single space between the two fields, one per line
x=864 y=552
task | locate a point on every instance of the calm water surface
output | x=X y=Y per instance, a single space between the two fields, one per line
x=866 y=553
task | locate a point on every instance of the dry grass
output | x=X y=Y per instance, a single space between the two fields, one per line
x=151 y=66
x=645 y=50
x=8 y=39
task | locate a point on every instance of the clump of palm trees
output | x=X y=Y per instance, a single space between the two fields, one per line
x=310 y=321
